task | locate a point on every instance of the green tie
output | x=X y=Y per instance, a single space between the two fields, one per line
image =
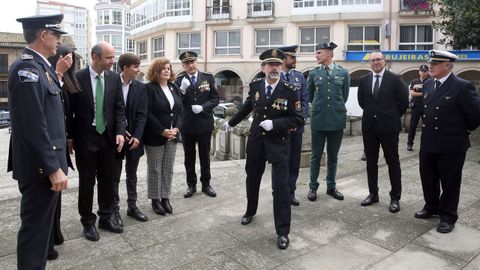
x=99 y=118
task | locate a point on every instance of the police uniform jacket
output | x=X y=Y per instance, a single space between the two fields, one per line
x=416 y=102
x=202 y=93
x=38 y=137
x=328 y=94
x=449 y=112
x=298 y=80
x=387 y=109
x=285 y=111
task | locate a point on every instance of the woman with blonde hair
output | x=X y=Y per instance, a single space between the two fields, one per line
x=162 y=132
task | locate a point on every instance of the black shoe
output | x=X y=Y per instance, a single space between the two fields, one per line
x=282 y=241
x=209 y=191
x=58 y=238
x=246 y=219
x=136 y=214
x=372 y=198
x=445 y=227
x=394 y=206
x=294 y=202
x=52 y=255
x=157 y=207
x=117 y=219
x=424 y=214
x=166 y=206
x=364 y=157
x=409 y=147
x=189 y=192
x=312 y=195
x=335 y=194
x=91 y=233
x=110 y=226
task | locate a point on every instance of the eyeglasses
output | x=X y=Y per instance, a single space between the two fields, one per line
x=376 y=60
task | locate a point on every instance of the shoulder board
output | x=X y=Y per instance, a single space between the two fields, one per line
x=256 y=80
x=26 y=56
x=290 y=86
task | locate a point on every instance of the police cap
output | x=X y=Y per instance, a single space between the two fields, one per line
x=290 y=50
x=188 y=56
x=441 y=56
x=423 y=68
x=272 y=56
x=50 y=22
x=326 y=45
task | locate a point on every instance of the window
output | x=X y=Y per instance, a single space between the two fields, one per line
x=189 y=42
x=267 y=39
x=3 y=89
x=327 y=3
x=363 y=38
x=99 y=17
x=3 y=62
x=130 y=45
x=117 y=17
x=311 y=36
x=106 y=17
x=416 y=37
x=106 y=38
x=142 y=50
x=158 y=47
x=117 y=42
x=227 y=42
x=178 y=7
x=303 y=3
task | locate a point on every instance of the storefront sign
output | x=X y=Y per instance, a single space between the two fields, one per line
x=409 y=56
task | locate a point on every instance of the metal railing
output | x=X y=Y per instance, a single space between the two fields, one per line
x=219 y=12
x=263 y=9
x=415 y=5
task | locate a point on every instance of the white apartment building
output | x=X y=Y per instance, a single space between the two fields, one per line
x=229 y=35
x=113 y=25
x=76 y=21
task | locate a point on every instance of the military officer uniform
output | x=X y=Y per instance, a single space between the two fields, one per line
x=38 y=144
x=451 y=110
x=297 y=79
x=416 y=107
x=284 y=109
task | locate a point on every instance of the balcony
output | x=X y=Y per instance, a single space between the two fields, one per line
x=262 y=11
x=415 y=8
x=219 y=14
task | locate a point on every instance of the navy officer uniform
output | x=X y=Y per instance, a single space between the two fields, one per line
x=277 y=103
x=296 y=78
x=451 y=110
x=38 y=140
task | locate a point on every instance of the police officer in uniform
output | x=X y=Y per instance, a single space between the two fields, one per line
x=38 y=155
x=451 y=110
x=416 y=103
x=276 y=109
x=328 y=87
x=199 y=97
x=292 y=76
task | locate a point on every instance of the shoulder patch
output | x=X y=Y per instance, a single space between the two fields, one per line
x=26 y=75
x=27 y=56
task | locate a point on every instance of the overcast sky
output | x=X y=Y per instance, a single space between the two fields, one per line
x=10 y=10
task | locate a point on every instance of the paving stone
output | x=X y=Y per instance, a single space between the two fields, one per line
x=103 y=265
x=217 y=261
x=251 y=258
x=474 y=264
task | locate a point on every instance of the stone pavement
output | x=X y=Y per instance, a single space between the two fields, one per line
x=205 y=233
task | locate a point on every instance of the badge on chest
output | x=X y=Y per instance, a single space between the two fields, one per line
x=280 y=104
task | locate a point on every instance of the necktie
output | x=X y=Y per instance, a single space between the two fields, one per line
x=437 y=84
x=99 y=118
x=269 y=92
x=327 y=69
x=287 y=76
x=194 y=80
x=376 y=86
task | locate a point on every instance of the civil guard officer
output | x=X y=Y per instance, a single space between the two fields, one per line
x=276 y=110
x=38 y=155
x=290 y=75
x=451 y=110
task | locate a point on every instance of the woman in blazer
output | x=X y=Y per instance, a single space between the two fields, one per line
x=162 y=131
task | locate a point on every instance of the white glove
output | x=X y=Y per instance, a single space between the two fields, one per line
x=197 y=109
x=227 y=127
x=185 y=84
x=267 y=125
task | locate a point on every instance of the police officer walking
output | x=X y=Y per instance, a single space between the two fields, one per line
x=416 y=103
x=451 y=110
x=290 y=75
x=328 y=87
x=276 y=109
x=38 y=155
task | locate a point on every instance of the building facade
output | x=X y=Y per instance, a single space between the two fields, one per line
x=76 y=22
x=229 y=35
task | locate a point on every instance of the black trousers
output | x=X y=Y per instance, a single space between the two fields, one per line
x=37 y=210
x=443 y=170
x=294 y=162
x=417 y=111
x=57 y=230
x=95 y=160
x=189 y=143
x=280 y=191
x=372 y=140
x=131 y=165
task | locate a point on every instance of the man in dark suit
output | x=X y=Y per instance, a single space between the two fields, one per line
x=199 y=97
x=292 y=76
x=416 y=103
x=98 y=126
x=136 y=106
x=451 y=110
x=384 y=99
x=276 y=110
x=38 y=143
